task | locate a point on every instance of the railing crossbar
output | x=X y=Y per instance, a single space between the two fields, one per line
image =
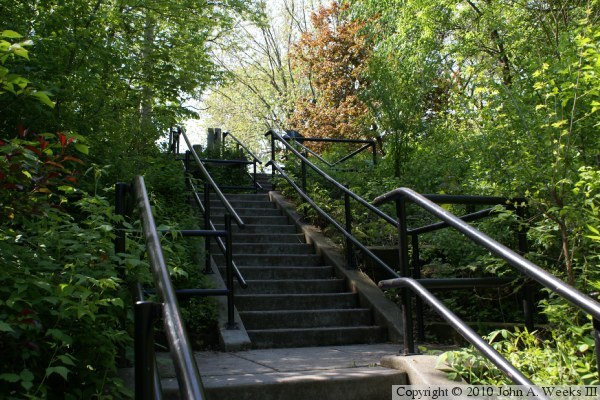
x=353 y=195
x=525 y=266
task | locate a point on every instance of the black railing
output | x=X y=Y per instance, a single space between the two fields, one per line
x=351 y=245
x=418 y=285
x=205 y=207
x=367 y=144
x=147 y=382
x=522 y=265
x=175 y=134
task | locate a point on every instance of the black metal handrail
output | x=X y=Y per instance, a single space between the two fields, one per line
x=463 y=328
x=525 y=266
x=237 y=141
x=449 y=199
x=212 y=184
x=521 y=264
x=367 y=144
x=276 y=136
x=190 y=384
x=210 y=226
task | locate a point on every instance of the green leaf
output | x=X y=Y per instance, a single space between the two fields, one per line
x=60 y=370
x=10 y=34
x=43 y=97
x=12 y=378
x=5 y=327
x=82 y=148
x=59 y=335
x=67 y=359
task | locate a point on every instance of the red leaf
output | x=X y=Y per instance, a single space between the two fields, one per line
x=55 y=164
x=63 y=139
x=71 y=158
x=71 y=179
x=34 y=149
x=43 y=143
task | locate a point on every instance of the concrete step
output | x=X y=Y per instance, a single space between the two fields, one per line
x=294 y=286
x=257 y=203
x=248 y=211
x=305 y=337
x=262 y=273
x=262 y=229
x=243 y=197
x=305 y=318
x=325 y=373
x=258 y=219
x=299 y=301
x=268 y=238
x=242 y=259
x=271 y=248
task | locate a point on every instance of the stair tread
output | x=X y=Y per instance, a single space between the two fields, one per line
x=320 y=328
x=320 y=310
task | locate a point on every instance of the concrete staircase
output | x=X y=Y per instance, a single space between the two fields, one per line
x=293 y=299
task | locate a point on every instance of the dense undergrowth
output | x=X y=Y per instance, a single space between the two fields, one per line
x=65 y=299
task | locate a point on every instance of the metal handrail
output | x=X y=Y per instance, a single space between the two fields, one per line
x=461 y=327
x=368 y=143
x=222 y=246
x=335 y=183
x=333 y=222
x=212 y=183
x=464 y=330
x=251 y=154
x=190 y=383
x=525 y=266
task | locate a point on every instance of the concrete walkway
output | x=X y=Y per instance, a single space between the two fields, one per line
x=331 y=372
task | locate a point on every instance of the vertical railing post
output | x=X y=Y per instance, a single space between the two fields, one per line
x=527 y=290
x=254 y=177
x=229 y=273
x=596 y=325
x=303 y=172
x=144 y=317
x=349 y=245
x=187 y=161
x=416 y=274
x=374 y=147
x=207 y=265
x=409 y=344
x=272 y=153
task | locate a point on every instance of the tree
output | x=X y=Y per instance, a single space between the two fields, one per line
x=332 y=59
x=498 y=92
x=119 y=72
x=261 y=85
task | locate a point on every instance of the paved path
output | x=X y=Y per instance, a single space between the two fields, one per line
x=290 y=369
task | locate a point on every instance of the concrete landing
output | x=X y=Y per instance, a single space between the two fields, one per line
x=333 y=372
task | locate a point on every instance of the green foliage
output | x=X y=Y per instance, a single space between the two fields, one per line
x=62 y=293
x=120 y=73
x=546 y=358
